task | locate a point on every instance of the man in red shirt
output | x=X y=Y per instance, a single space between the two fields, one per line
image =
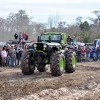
x=83 y=53
x=69 y=40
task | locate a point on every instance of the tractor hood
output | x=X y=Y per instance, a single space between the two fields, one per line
x=53 y=44
x=49 y=44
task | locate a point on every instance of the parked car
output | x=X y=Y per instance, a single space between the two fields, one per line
x=96 y=42
x=11 y=42
x=2 y=44
x=28 y=43
x=80 y=43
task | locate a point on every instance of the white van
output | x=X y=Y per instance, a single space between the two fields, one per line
x=96 y=42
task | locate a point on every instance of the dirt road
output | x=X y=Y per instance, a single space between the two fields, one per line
x=83 y=84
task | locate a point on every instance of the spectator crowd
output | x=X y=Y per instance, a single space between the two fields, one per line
x=86 y=52
x=10 y=55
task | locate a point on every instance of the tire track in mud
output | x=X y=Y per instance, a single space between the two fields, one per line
x=21 y=88
x=87 y=68
x=15 y=84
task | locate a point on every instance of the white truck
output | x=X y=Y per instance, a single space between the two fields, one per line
x=96 y=42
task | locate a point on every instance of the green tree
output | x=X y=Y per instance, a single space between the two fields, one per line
x=22 y=20
x=85 y=37
x=85 y=26
x=11 y=23
x=98 y=36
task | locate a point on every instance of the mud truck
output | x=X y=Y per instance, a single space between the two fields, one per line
x=49 y=50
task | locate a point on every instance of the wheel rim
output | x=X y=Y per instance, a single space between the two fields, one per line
x=61 y=63
x=73 y=61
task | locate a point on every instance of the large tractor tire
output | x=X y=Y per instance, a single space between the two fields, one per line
x=25 y=54
x=27 y=63
x=41 y=68
x=70 y=61
x=57 y=64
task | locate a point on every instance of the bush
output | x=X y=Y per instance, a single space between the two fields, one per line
x=86 y=37
x=98 y=36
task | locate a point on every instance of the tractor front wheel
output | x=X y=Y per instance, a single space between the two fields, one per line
x=27 y=63
x=57 y=64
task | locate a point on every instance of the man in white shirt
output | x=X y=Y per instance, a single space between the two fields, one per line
x=3 y=55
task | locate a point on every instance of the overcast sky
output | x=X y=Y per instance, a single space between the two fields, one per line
x=67 y=10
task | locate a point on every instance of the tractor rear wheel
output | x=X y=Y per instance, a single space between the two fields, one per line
x=70 y=62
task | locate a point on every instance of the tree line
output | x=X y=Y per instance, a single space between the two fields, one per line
x=20 y=22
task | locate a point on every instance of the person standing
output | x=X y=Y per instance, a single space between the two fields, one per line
x=3 y=55
x=13 y=56
x=69 y=40
x=26 y=37
x=78 y=54
x=94 y=52
x=98 y=53
x=19 y=53
x=23 y=42
x=0 y=56
x=8 y=56
x=88 y=50
x=26 y=48
x=73 y=40
x=83 y=54
x=16 y=37
x=20 y=36
x=23 y=35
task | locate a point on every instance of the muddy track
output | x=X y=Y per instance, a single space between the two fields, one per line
x=14 y=84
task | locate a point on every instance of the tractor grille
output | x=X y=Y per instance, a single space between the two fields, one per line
x=40 y=46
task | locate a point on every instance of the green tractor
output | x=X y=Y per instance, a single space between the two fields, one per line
x=49 y=49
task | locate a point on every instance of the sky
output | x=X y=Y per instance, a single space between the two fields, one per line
x=41 y=10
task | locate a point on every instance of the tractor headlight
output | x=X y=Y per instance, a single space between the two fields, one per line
x=44 y=45
x=35 y=45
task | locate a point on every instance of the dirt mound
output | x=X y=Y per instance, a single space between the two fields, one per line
x=80 y=92
x=83 y=83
